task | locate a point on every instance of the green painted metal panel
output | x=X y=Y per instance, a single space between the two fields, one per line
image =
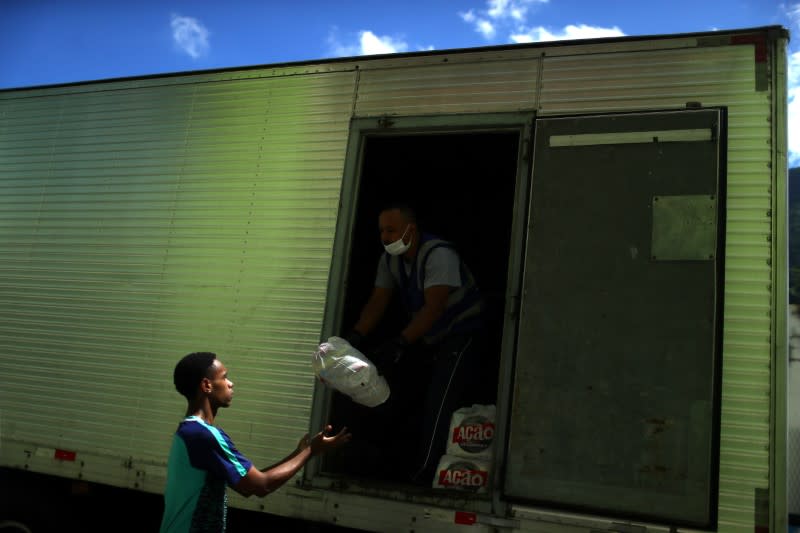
x=137 y=225
x=615 y=400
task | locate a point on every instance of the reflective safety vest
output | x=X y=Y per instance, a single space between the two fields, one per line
x=464 y=304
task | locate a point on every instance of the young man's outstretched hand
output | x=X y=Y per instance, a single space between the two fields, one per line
x=262 y=482
x=322 y=443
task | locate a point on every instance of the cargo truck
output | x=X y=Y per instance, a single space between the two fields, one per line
x=622 y=202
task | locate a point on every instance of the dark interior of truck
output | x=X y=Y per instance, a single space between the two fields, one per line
x=462 y=187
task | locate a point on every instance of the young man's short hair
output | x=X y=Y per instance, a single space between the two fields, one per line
x=191 y=370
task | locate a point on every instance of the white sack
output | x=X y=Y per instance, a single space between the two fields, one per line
x=461 y=473
x=337 y=364
x=472 y=432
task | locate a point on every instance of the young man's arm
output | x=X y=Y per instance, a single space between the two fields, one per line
x=263 y=482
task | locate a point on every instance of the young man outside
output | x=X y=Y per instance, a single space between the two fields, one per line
x=203 y=460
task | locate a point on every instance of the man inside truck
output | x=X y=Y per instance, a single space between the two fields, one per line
x=434 y=355
x=203 y=459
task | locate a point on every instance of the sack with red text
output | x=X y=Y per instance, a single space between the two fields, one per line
x=339 y=365
x=461 y=473
x=472 y=432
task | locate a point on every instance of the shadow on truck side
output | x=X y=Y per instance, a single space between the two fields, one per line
x=40 y=503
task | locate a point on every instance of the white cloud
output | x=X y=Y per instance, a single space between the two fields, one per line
x=580 y=31
x=486 y=29
x=512 y=15
x=373 y=44
x=499 y=14
x=793 y=109
x=793 y=90
x=367 y=43
x=793 y=12
x=482 y=25
x=513 y=9
x=337 y=49
x=190 y=35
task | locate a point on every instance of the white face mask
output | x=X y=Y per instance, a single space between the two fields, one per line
x=398 y=247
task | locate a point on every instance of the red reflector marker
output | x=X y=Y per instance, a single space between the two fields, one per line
x=465 y=518
x=64 y=455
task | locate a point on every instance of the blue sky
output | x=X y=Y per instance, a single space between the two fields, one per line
x=61 y=41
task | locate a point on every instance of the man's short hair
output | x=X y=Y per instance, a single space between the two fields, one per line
x=191 y=370
x=408 y=212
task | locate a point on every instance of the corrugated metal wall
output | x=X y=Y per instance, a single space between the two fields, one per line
x=463 y=85
x=137 y=225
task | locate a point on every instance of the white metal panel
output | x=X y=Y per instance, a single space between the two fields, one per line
x=464 y=87
x=644 y=80
x=139 y=225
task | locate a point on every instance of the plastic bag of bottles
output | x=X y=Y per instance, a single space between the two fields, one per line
x=339 y=365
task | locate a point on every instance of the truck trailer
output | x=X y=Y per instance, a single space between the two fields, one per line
x=621 y=201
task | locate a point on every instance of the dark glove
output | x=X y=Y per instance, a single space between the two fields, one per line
x=389 y=354
x=354 y=338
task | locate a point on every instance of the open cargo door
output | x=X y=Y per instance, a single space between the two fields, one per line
x=615 y=404
x=462 y=176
